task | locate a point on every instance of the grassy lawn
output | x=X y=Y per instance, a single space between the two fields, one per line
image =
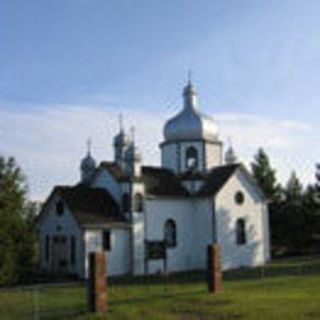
x=288 y=289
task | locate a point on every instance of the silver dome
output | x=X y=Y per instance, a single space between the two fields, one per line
x=190 y=124
x=133 y=153
x=121 y=139
x=230 y=156
x=88 y=163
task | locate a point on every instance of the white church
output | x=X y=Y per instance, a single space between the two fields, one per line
x=158 y=219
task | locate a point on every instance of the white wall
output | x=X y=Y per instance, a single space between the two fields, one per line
x=169 y=156
x=194 y=231
x=106 y=181
x=256 y=250
x=51 y=225
x=118 y=256
x=174 y=155
x=213 y=155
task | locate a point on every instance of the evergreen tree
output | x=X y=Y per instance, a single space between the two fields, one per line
x=293 y=190
x=266 y=176
x=17 y=241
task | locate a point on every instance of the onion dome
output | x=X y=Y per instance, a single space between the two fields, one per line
x=121 y=139
x=190 y=124
x=230 y=156
x=88 y=163
x=133 y=153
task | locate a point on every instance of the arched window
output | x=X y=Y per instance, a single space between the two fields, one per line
x=241 y=231
x=191 y=158
x=170 y=233
x=138 y=202
x=125 y=203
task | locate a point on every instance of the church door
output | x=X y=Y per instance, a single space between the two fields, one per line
x=59 y=254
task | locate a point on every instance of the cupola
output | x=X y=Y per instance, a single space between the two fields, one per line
x=190 y=123
x=87 y=166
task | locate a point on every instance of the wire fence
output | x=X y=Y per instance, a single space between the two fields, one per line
x=69 y=300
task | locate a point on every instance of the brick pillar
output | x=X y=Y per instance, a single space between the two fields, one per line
x=97 y=286
x=214 y=268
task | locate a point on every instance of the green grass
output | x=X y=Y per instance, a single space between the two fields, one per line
x=285 y=290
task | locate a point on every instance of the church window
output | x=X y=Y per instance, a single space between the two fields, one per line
x=239 y=197
x=47 y=246
x=126 y=202
x=138 y=202
x=59 y=208
x=170 y=233
x=106 y=240
x=191 y=158
x=241 y=232
x=73 y=250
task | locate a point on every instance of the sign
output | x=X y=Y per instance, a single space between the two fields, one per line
x=156 y=250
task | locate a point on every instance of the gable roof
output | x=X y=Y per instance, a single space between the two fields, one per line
x=89 y=205
x=216 y=179
x=162 y=182
x=114 y=170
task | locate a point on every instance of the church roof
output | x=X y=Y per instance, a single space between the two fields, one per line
x=114 y=169
x=90 y=205
x=216 y=179
x=162 y=182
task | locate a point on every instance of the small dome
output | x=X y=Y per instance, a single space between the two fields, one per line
x=121 y=139
x=133 y=153
x=230 y=156
x=88 y=163
x=190 y=124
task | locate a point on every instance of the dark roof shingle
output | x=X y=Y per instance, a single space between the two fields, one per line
x=162 y=182
x=91 y=205
x=216 y=179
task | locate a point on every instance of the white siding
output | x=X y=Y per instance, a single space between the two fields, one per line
x=118 y=256
x=194 y=231
x=213 y=155
x=253 y=210
x=106 y=181
x=169 y=156
x=65 y=225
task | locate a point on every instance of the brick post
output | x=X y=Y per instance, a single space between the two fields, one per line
x=97 y=286
x=214 y=268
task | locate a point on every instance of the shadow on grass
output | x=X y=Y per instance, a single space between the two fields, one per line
x=153 y=297
x=280 y=267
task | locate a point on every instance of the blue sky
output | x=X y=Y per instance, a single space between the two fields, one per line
x=69 y=66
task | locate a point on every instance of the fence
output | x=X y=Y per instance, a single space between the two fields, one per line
x=69 y=300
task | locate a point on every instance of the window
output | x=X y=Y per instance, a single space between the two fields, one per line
x=125 y=203
x=239 y=197
x=47 y=246
x=191 y=158
x=73 y=250
x=138 y=202
x=59 y=208
x=170 y=233
x=241 y=231
x=106 y=241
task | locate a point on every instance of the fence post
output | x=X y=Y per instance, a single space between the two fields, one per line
x=214 y=269
x=97 y=285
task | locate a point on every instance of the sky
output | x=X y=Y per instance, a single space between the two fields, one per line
x=69 y=67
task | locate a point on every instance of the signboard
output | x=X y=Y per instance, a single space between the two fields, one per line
x=156 y=250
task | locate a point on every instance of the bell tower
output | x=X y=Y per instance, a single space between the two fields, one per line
x=191 y=141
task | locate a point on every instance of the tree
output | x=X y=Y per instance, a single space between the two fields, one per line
x=266 y=176
x=293 y=190
x=17 y=240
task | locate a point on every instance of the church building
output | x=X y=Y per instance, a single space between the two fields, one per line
x=158 y=219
